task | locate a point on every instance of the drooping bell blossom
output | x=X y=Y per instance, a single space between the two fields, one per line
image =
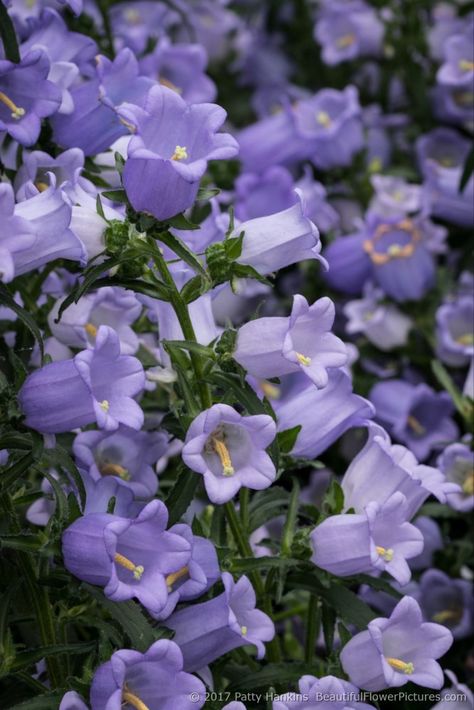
x=130 y=558
x=228 y=450
x=379 y=540
x=447 y=601
x=397 y=650
x=72 y=701
x=455 y=332
x=316 y=206
x=133 y=25
x=99 y=494
x=321 y=694
x=348 y=31
x=261 y=195
x=464 y=697
x=458 y=69
x=441 y=156
x=154 y=680
x=383 y=324
x=213 y=23
x=111 y=306
x=200 y=574
x=433 y=541
x=457 y=464
x=181 y=67
x=97 y=385
x=445 y=23
x=127 y=454
x=396 y=251
x=270 y=243
x=208 y=630
x=380 y=469
x=95 y=124
x=26 y=96
x=394 y=196
x=169 y=151
x=323 y=414
x=303 y=342
x=415 y=415
x=49 y=213
x=17 y=235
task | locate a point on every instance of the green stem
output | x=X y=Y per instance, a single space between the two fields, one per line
x=244 y=508
x=312 y=628
x=8 y=35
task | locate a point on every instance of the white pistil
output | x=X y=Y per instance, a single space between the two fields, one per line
x=401 y=666
x=244 y=630
x=105 y=405
x=387 y=554
x=180 y=153
x=323 y=118
x=223 y=453
x=128 y=564
x=17 y=112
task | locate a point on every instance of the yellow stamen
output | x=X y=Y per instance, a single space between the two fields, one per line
x=323 y=118
x=466 y=339
x=169 y=84
x=104 y=405
x=445 y=615
x=114 y=469
x=394 y=250
x=375 y=165
x=128 y=564
x=468 y=485
x=133 y=700
x=414 y=424
x=270 y=390
x=303 y=359
x=17 y=111
x=244 y=630
x=345 y=41
x=223 y=453
x=401 y=666
x=172 y=578
x=41 y=186
x=466 y=65
x=387 y=554
x=90 y=329
x=180 y=153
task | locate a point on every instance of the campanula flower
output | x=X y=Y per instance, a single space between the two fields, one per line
x=97 y=385
x=130 y=678
x=447 y=601
x=416 y=415
x=206 y=631
x=378 y=540
x=303 y=342
x=397 y=650
x=393 y=195
x=228 y=450
x=72 y=701
x=128 y=557
x=347 y=31
x=127 y=454
x=17 y=235
x=433 y=541
x=314 y=693
x=458 y=69
x=455 y=332
x=465 y=698
x=261 y=195
x=457 y=464
x=383 y=324
x=168 y=153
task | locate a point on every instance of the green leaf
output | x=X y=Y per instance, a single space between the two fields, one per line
x=182 y=222
x=4 y=607
x=290 y=522
x=182 y=250
x=62 y=506
x=287 y=439
x=381 y=585
x=244 y=271
x=14 y=472
x=328 y=619
x=242 y=565
x=7 y=299
x=272 y=674
x=190 y=346
x=40 y=702
x=266 y=505
x=181 y=495
x=334 y=499
x=233 y=246
x=194 y=288
x=115 y=195
x=8 y=36
x=462 y=404
x=28 y=658
x=59 y=458
x=207 y=193
x=154 y=289
x=99 y=208
x=27 y=541
x=468 y=170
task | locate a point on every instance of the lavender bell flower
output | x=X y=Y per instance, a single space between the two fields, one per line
x=348 y=31
x=324 y=414
x=17 y=235
x=458 y=69
x=465 y=698
x=457 y=464
x=447 y=601
x=261 y=195
x=72 y=701
x=416 y=415
x=228 y=450
x=96 y=385
x=378 y=540
x=314 y=694
x=383 y=324
x=125 y=453
x=153 y=680
x=26 y=96
x=208 y=630
x=128 y=557
x=169 y=152
x=433 y=541
x=393 y=195
x=380 y=469
x=270 y=243
x=316 y=206
x=79 y=324
x=455 y=332
x=397 y=650
x=275 y=346
x=33 y=174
